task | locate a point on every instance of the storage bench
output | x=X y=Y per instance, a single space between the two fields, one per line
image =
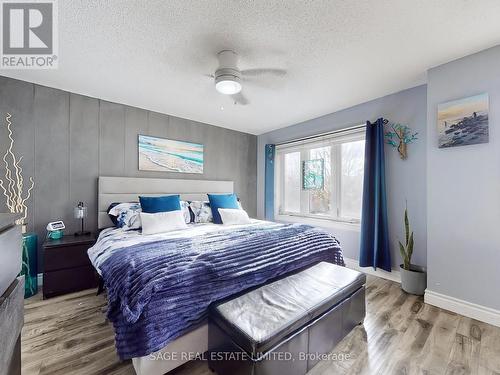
x=285 y=326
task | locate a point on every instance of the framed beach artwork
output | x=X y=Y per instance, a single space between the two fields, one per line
x=166 y=155
x=463 y=122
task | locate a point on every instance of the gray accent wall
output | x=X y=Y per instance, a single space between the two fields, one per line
x=68 y=140
x=406 y=179
x=463 y=197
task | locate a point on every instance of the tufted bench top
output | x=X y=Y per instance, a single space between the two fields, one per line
x=260 y=319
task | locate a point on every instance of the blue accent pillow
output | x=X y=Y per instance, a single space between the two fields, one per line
x=166 y=203
x=222 y=201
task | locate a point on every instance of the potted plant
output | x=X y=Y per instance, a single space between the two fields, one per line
x=413 y=277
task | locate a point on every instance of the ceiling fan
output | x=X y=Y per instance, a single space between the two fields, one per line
x=228 y=78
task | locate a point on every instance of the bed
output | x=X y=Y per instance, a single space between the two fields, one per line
x=159 y=286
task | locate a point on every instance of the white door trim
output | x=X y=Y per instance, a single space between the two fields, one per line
x=469 y=309
x=395 y=275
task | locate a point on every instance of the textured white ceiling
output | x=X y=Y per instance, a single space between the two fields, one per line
x=338 y=53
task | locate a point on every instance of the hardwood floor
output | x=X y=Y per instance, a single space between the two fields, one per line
x=401 y=335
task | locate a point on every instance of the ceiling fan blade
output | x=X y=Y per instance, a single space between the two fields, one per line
x=240 y=99
x=262 y=71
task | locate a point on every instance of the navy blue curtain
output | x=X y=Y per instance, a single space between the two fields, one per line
x=374 y=249
x=269 y=183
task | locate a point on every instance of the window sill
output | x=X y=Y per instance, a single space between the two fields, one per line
x=322 y=223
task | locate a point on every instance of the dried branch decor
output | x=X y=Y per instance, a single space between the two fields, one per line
x=13 y=183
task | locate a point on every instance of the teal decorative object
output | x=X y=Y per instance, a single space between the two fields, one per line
x=313 y=174
x=55 y=234
x=30 y=264
x=399 y=136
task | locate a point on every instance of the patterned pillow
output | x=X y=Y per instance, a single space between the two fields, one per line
x=202 y=212
x=186 y=212
x=127 y=215
x=112 y=217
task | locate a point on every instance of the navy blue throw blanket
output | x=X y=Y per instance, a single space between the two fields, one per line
x=157 y=291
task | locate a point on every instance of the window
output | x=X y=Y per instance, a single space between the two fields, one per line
x=291 y=196
x=337 y=171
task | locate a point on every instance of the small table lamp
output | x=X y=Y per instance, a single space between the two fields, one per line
x=81 y=213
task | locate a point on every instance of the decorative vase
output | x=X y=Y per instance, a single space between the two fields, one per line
x=414 y=280
x=30 y=264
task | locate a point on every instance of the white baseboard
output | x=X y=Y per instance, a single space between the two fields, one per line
x=469 y=309
x=354 y=264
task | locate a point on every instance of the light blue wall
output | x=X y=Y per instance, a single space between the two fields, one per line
x=463 y=205
x=406 y=180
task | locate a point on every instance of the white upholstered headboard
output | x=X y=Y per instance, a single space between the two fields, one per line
x=128 y=189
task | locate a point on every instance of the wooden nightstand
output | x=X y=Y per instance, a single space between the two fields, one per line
x=67 y=267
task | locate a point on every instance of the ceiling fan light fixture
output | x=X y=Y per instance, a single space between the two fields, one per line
x=228 y=84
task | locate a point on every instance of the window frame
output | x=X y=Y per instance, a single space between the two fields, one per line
x=335 y=141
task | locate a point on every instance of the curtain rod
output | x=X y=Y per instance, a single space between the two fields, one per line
x=351 y=128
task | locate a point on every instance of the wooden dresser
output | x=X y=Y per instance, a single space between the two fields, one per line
x=11 y=295
x=67 y=267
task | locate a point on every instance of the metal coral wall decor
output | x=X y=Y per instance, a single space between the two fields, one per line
x=400 y=136
x=12 y=183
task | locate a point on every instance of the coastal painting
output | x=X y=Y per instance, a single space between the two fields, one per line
x=463 y=122
x=166 y=155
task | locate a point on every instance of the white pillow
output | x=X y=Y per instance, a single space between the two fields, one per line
x=162 y=222
x=233 y=216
